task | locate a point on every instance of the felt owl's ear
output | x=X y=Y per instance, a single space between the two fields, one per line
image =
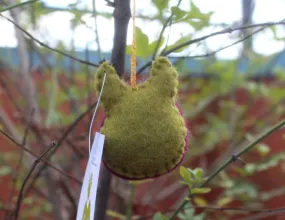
x=164 y=77
x=114 y=88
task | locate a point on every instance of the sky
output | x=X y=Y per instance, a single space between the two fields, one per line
x=56 y=26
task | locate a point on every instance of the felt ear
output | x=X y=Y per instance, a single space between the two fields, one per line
x=114 y=87
x=164 y=77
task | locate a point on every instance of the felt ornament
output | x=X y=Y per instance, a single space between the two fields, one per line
x=145 y=133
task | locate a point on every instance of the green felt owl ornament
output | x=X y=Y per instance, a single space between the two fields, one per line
x=145 y=132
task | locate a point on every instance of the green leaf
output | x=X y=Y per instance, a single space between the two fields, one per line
x=160 y=4
x=200 y=190
x=115 y=215
x=159 y=216
x=196 y=18
x=251 y=168
x=189 y=214
x=181 y=40
x=17 y=5
x=224 y=201
x=196 y=13
x=5 y=170
x=243 y=190
x=178 y=14
x=142 y=44
x=186 y=175
x=198 y=172
x=263 y=149
x=273 y=29
x=152 y=45
x=200 y=201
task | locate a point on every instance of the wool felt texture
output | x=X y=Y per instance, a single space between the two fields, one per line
x=145 y=132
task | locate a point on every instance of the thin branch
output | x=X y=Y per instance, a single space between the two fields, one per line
x=43 y=160
x=168 y=20
x=20 y=197
x=230 y=45
x=88 y=80
x=241 y=209
x=46 y=46
x=232 y=159
x=60 y=141
x=70 y=129
x=225 y=31
x=17 y=5
x=96 y=28
x=21 y=157
x=264 y=215
x=225 y=209
x=122 y=15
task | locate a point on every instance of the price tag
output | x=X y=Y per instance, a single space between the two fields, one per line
x=86 y=205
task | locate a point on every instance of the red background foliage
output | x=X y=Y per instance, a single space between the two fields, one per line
x=163 y=193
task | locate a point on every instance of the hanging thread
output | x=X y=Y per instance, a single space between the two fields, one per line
x=133 y=56
x=97 y=104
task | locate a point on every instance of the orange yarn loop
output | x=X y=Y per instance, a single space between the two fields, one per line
x=133 y=56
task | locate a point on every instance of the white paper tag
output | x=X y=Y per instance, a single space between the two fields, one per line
x=86 y=205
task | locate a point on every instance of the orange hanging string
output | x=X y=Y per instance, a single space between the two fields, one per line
x=133 y=58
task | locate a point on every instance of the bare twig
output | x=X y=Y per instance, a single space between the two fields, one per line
x=263 y=215
x=88 y=79
x=225 y=31
x=20 y=197
x=21 y=157
x=43 y=160
x=17 y=5
x=60 y=141
x=96 y=28
x=241 y=209
x=169 y=19
x=230 y=45
x=274 y=211
x=46 y=46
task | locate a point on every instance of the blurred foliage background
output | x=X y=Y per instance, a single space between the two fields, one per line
x=226 y=102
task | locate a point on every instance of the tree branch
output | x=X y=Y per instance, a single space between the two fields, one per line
x=230 y=160
x=230 y=45
x=18 y=167
x=46 y=163
x=94 y=10
x=168 y=20
x=122 y=15
x=17 y=209
x=46 y=46
x=225 y=31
